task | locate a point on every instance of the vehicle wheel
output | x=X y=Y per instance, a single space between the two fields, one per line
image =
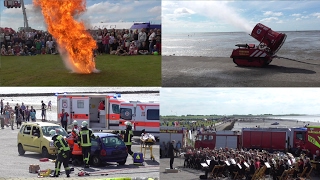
x=45 y=153
x=21 y=150
x=76 y=162
x=122 y=163
x=96 y=161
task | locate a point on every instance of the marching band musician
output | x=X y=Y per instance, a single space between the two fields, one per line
x=281 y=168
x=251 y=170
x=299 y=169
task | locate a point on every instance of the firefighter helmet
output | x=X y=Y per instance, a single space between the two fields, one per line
x=75 y=123
x=128 y=123
x=84 y=123
x=53 y=133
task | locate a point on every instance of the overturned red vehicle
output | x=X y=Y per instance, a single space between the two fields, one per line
x=262 y=54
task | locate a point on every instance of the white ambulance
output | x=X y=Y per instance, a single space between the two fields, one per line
x=84 y=107
x=142 y=115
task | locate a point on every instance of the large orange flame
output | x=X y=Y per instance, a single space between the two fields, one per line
x=70 y=34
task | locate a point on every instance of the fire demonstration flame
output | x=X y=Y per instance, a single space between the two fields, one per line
x=73 y=39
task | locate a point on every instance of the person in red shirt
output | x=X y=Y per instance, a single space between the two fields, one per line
x=101 y=107
x=257 y=163
x=64 y=119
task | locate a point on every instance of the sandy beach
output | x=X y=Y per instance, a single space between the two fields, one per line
x=183 y=71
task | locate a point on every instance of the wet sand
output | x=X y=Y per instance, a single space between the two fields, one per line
x=267 y=123
x=182 y=71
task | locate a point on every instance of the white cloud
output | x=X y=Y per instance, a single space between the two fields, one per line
x=296 y=15
x=270 y=13
x=156 y=9
x=298 y=19
x=316 y=14
x=183 y=11
x=269 y=19
x=228 y=100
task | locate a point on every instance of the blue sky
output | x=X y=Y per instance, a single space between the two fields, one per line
x=230 y=16
x=228 y=101
x=97 y=11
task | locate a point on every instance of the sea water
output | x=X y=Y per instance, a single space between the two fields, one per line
x=299 y=45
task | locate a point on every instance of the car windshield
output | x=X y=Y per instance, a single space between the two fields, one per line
x=112 y=141
x=58 y=129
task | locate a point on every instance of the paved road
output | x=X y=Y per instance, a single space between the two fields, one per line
x=13 y=166
x=181 y=71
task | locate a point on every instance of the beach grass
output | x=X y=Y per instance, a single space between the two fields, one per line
x=49 y=70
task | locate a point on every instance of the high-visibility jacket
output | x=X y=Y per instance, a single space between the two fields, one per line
x=60 y=143
x=85 y=136
x=127 y=137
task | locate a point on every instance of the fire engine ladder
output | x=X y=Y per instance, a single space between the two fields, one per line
x=26 y=25
x=147 y=144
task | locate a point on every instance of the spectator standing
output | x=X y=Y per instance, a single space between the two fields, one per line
x=1 y=37
x=135 y=37
x=33 y=114
x=152 y=37
x=43 y=111
x=27 y=114
x=49 y=46
x=142 y=37
x=171 y=151
x=99 y=42
x=1 y=106
x=64 y=120
x=23 y=108
x=158 y=41
x=105 y=42
x=49 y=105
x=38 y=46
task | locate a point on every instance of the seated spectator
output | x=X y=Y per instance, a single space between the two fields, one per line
x=114 y=47
x=10 y=51
x=121 y=51
x=143 y=49
x=3 y=51
x=133 y=50
x=17 y=49
x=33 y=51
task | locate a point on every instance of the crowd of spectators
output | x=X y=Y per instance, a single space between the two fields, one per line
x=118 y=42
x=245 y=163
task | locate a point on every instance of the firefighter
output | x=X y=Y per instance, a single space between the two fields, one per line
x=128 y=136
x=84 y=141
x=63 y=153
x=75 y=130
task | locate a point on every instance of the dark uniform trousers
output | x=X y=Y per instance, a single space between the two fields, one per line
x=62 y=160
x=86 y=154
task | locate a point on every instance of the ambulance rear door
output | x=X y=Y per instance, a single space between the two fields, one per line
x=113 y=113
x=64 y=103
x=80 y=109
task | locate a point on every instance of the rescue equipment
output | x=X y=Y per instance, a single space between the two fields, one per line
x=261 y=55
x=147 y=141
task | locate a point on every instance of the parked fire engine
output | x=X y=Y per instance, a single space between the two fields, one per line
x=143 y=115
x=271 y=139
x=313 y=138
x=84 y=107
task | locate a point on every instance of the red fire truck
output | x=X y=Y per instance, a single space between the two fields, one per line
x=313 y=138
x=271 y=139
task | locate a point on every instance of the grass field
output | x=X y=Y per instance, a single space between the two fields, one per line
x=49 y=70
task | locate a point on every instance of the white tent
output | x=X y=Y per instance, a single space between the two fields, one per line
x=112 y=25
